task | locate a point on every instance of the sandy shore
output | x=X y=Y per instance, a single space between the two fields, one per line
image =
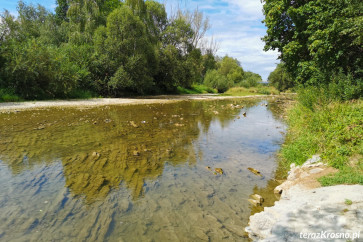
x=12 y=106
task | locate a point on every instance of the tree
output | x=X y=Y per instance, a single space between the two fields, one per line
x=131 y=53
x=61 y=10
x=250 y=79
x=230 y=66
x=316 y=37
x=215 y=79
x=280 y=78
x=156 y=19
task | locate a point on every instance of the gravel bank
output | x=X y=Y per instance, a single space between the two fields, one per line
x=11 y=106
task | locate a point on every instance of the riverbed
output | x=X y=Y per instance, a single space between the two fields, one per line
x=142 y=172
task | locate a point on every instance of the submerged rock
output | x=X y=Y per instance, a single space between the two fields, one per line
x=254 y=171
x=133 y=124
x=219 y=170
x=258 y=198
x=254 y=202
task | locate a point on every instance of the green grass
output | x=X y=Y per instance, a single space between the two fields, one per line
x=331 y=128
x=81 y=94
x=196 y=89
x=259 y=90
x=347 y=175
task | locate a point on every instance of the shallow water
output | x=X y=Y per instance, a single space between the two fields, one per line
x=135 y=173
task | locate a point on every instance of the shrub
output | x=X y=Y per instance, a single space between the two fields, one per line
x=214 y=79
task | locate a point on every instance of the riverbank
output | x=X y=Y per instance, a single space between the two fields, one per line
x=306 y=209
x=12 y=106
x=324 y=124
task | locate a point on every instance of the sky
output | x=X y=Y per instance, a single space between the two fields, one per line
x=235 y=25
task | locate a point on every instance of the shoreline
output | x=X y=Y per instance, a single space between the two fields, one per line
x=307 y=208
x=94 y=102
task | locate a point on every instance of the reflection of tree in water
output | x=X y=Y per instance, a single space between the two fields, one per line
x=103 y=147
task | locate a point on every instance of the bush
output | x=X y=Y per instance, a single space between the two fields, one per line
x=7 y=95
x=214 y=79
x=37 y=71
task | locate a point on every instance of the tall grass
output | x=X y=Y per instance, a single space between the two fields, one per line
x=324 y=123
x=258 y=90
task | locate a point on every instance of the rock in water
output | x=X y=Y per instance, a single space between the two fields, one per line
x=254 y=171
x=254 y=202
x=257 y=198
x=134 y=124
x=219 y=170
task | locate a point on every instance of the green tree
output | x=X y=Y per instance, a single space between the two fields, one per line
x=250 y=79
x=34 y=70
x=316 y=37
x=228 y=65
x=280 y=78
x=156 y=20
x=61 y=10
x=128 y=46
x=215 y=79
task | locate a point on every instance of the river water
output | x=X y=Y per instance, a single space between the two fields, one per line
x=138 y=172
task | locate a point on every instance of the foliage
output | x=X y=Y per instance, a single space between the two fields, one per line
x=7 y=95
x=214 y=79
x=101 y=47
x=196 y=89
x=128 y=45
x=37 y=71
x=280 y=78
x=230 y=68
x=250 y=79
x=316 y=38
x=230 y=74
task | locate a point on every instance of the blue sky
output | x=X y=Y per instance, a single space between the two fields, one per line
x=236 y=25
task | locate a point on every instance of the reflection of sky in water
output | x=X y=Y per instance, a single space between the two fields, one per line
x=176 y=198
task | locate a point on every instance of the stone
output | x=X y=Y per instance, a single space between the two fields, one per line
x=133 y=124
x=254 y=202
x=96 y=154
x=257 y=198
x=254 y=171
x=315 y=170
x=219 y=170
x=314 y=159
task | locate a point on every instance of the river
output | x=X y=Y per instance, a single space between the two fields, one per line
x=136 y=172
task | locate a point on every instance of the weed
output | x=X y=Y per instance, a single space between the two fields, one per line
x=348 y=202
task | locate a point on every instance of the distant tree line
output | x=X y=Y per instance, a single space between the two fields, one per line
x=227 y=72
x=106 y=47
x=320 y=42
